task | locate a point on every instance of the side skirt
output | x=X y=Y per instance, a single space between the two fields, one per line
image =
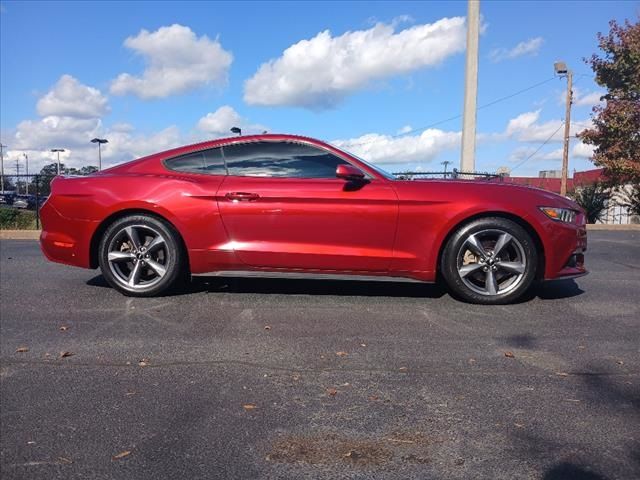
x=307 y=276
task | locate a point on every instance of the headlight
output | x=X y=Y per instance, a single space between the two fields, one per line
x=560 y=214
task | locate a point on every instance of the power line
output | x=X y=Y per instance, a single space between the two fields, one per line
x=435 y=124
x=539 y=148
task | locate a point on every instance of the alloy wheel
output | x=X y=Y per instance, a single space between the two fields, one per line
x=491 y=262
x=137 y=256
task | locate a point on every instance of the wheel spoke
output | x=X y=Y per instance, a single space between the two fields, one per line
x=469 y=268
x=156 y=267
x=513 y=267
x=490 y=283
x=120 y=256
x=476 y=247
x=135 y=275
x=132 y=233
x=155 y=243
x=502 y=242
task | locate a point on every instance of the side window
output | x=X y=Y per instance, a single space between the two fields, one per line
x=280 y=159
x=191 y=162
x=213 y=162
x=209 y=162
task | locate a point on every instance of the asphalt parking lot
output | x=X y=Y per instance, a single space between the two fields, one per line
x=318 y=379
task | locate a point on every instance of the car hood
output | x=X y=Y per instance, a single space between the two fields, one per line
x=502 y=189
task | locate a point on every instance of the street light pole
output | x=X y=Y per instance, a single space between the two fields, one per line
x=58 y=150
x=445 y=163
x=99 y=141
x=562 y=70
x=2 y=167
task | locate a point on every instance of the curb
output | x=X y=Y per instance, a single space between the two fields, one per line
x=19 y=234
x=614 y=228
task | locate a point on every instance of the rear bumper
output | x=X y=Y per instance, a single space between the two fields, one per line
x=65 y=240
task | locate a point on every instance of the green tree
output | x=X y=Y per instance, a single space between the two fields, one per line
x=593 y=198
x=616 y=124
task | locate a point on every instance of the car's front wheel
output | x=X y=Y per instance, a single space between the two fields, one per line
x=489 y=261
x=140 y=256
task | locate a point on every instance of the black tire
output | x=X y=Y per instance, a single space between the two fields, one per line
x=478 y=275
x=167 y=256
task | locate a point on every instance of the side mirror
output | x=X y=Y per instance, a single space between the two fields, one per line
x=349 y=172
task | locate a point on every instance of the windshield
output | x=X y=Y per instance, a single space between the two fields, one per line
x=381 y=171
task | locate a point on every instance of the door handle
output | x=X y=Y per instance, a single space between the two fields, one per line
x=242 y=196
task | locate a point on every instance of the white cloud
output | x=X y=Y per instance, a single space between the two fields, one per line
x=525 y=128
x=385 y=149
x=219 y=123
x=177 y=61
x=70 y=98
x=582 y=150
x=320 y=72
x=528 y=47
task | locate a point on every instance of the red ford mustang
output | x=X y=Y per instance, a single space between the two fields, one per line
x=283 y=205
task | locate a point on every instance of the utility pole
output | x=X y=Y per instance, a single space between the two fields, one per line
x=26 y=182
x=468 y=161
x=2 y=167
x=562 y=70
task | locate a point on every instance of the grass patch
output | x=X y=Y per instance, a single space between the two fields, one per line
x=14 y=219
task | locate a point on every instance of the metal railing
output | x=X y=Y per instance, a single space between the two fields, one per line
x=454 y=174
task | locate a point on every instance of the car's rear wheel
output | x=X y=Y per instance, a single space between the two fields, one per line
x=140 y=256
x=489 y=261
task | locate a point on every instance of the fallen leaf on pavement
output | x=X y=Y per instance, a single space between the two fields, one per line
x=342 y=354
x=144 y=362
x=562 y=374
x=373 y=398
x=363 y=344
x=249 y=406
x=120 y=455
x=66 y=354
x=22 y=349
x=66 y=460
x=64 y=328
x=509 y=354
x=332 y=392
x=620 y=362
x=267 y=327
x=519 y=425
x=403 y=369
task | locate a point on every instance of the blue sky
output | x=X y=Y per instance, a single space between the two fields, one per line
x=380 y=69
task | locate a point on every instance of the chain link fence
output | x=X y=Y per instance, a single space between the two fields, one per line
x=21 y=197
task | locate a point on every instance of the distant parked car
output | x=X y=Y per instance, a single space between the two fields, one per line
x=20 y=202
x=282 y=205
x=7 y=198
x=25 y=201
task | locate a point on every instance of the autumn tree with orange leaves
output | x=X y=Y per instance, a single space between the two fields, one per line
x=616 y=123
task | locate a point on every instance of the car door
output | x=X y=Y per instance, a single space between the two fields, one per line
x=283 y=207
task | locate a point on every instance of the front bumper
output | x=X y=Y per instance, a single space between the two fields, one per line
x=565 y=249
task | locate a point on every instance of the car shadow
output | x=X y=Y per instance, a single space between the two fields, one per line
x=280 y=286
x=546 y=291
x=315 y=287
x=557 y=289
